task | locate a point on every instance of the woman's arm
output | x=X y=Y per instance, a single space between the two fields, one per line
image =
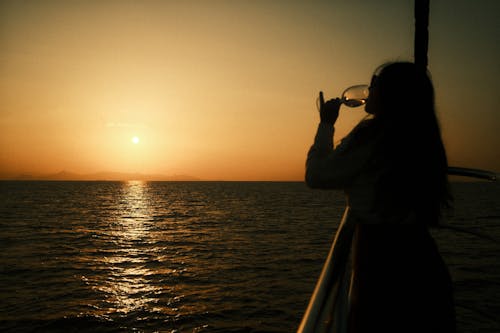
x=330 y=168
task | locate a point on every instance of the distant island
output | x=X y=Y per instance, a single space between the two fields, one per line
x=102 y=176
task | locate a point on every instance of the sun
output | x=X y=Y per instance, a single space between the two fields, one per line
x=135 y=140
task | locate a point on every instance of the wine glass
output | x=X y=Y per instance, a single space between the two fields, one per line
x=352 y=97
x=355 y=96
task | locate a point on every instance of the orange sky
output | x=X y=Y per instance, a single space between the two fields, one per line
x=223 y=90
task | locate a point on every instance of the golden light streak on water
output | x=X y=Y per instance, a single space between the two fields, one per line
x=127 y=286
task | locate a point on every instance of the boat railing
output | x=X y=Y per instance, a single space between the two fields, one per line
x=474 y=173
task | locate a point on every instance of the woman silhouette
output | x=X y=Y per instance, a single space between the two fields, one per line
x=392 y=167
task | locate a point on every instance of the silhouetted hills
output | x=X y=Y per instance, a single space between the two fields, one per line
x=111 y=176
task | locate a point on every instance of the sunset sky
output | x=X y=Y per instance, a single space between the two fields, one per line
x=225 y=90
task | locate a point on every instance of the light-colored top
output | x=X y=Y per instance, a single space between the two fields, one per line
x=350 y=166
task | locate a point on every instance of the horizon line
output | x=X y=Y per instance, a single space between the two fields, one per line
x=115 y=176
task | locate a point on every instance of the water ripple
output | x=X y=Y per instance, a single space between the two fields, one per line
x=196 y=257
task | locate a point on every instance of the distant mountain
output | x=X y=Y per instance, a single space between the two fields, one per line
x=112 y=176
x=137 y=176
x=63 y=175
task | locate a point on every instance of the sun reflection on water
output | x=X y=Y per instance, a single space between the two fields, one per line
x=127 y=285
x=148 y=251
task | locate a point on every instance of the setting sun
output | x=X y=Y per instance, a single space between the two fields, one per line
x=135 y=140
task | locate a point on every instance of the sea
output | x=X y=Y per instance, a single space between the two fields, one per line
x=203 y=256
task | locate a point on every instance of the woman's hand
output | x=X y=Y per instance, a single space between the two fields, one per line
x=329 y=111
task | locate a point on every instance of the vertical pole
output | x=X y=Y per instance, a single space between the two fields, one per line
x=421 y=33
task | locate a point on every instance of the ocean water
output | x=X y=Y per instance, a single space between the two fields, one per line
x=202 y=256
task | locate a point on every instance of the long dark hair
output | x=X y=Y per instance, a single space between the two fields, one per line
x=411 y=153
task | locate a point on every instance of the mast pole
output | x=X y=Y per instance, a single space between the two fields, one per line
x=421 y=45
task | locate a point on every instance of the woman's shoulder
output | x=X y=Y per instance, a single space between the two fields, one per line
x=362 y=136
x=367 y=122
x=366 y=128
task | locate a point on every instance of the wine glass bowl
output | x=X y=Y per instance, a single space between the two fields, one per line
x=355 y=96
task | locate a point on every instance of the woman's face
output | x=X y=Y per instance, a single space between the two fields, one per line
x=371 y=102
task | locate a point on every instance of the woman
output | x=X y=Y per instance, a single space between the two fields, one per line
x=392 y=167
